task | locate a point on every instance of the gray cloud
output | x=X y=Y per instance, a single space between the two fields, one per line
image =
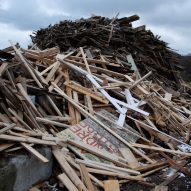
x=170 y=19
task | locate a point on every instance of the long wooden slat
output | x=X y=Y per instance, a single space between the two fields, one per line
x=35 y=152
x=111 y=185
x=160 y=149
x=67 y=182
x=26 y=140
x=86 y=91
x=100 y=153
x=8 y=127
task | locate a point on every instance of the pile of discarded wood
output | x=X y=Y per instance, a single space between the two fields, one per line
x=107 y=124
x=118 y=38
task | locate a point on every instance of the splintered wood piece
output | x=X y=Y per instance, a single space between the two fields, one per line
x=35 y=152
x=67 y=182
x=68 y=169
x=111 y=185
x=87 y=179
x=7 y=128
x=129 y=156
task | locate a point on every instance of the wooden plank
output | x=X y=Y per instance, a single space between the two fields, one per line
x=8 y=127
x=160 y=149
x=70 y=106
x=26 y=140
x=100 y=153
x=90 y=60
x=89 y=103
x=67 y=182
x=53 y=105
x=47 y=121
x=52 y=72
x=115 y=174
x=78 y=115
x=58 y=78
x=107 y=166
x=111 y=185
x=129 y=156
x=35 y=152
x=85 y=61
x=87 y=179
x=48 y=68
x=97 y=68
x=49 y=52
x=77 y=87
x=69 y=171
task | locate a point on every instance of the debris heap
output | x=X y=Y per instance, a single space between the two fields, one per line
x=115 y=37
x=97 y=100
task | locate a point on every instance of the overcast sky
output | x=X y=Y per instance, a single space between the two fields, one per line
x=170 y=19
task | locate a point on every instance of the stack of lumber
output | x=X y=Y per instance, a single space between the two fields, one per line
x=115 y=37
x=106 y=122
